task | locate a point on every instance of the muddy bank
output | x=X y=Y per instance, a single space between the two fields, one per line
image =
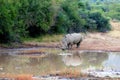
x=109 y=41
x=93 y=41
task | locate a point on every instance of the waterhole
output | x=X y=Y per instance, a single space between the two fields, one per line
x=97 y=63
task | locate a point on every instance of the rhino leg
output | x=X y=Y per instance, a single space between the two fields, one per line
x=78 y=44
x=69 y=45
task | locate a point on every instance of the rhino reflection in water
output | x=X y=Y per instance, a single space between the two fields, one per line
x=72 y=60
x=70 y=39
x=85 y=58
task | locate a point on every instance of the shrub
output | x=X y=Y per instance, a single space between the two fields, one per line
x=22 y=18
x=102 y=22
x=37 y=15
x=11 y=27
x=18 y=18
x=68 y=18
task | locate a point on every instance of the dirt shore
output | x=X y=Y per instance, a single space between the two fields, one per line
x=109 y=41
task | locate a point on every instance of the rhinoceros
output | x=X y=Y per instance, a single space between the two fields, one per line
x=70 y=39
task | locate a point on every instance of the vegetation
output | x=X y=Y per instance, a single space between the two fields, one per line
x=45 y=38
x=33 y=18
x=22 y=18
x=109 y=8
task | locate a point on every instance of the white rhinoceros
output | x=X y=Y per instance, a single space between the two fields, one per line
x=71 y=39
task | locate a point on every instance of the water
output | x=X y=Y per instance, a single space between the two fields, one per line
x=93 y=62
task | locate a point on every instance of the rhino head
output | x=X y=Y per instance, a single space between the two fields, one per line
x=64 y=44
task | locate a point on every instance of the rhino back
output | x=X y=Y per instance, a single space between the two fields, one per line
x=73 y=38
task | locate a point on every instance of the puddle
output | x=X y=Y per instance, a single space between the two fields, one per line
x=96 y=63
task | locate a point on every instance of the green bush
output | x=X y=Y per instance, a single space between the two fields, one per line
x=68 y=19
x=37 y=15
x=11 y=27
x=102 y=22
x=23 y=18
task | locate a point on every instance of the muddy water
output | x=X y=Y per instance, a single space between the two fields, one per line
x=96 y=63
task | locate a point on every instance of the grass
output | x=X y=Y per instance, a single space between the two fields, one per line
x=24 y=77
x=70 y=73
x=45 y=38
x=9 y=45
x=115 y=32
x=17 y=76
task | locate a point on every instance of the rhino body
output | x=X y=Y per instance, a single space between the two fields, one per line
x=70 y=39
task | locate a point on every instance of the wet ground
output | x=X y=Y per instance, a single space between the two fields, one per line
x=55 y=64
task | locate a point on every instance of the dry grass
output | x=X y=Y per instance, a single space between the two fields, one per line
x=17 y=76
x=45 y=38
x=114 y=33
x=51 y=38
x=109 y=41
x=115 y=29
x=115 y=25
x=70 y=73
x=24 y=77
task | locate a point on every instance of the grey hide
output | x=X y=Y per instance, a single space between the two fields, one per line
x=70 y=39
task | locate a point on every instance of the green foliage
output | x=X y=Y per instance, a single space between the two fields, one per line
x=101 y=22
x=114 y=11
x=37 y=15
x=23 y=18
x=10 y=25
x=17 y=18
x=109 y=8
x=68 y=18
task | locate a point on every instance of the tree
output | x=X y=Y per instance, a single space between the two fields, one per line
x=11 y=27
x=102 y=22
x=68 y=18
